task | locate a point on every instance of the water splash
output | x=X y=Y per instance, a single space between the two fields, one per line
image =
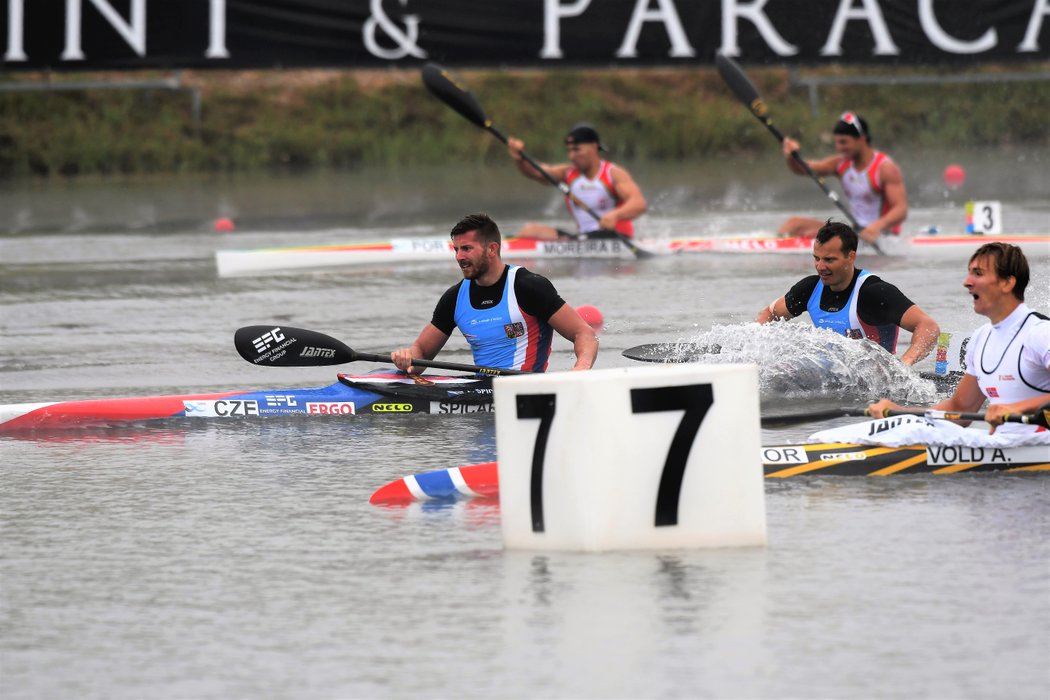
x=797 y=360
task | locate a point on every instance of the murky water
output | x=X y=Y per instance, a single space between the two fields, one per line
x=241 y=559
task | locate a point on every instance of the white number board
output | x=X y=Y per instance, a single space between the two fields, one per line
x=984 y=217
x=637 y=458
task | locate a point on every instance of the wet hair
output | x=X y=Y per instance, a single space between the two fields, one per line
x=847 y=235
x=1008 y=261
x=488 y=231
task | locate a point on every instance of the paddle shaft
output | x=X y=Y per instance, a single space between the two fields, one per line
x=284 y=346
x=746 y=92
x=445 y=87
x=563 y=187
x=1038 y=418
x=436 y=364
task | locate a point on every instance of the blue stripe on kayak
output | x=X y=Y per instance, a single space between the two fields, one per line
x=437 y=484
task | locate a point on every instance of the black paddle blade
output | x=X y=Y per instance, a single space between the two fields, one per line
x=284 y=346
x=449 y=90
x=671 y=352
x=740 y=84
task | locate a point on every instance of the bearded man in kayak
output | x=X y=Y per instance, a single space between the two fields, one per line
x=506 y=313
x=872 y=182
x=605 y=187
x=1008 y=358
x=852 y=302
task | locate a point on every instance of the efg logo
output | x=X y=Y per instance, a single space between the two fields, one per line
x=392 y=408
x=309 y=351
x=263 y=342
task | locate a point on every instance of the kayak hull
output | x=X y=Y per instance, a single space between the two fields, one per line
x=778 y=461
x=435 y=249
x=381 y=392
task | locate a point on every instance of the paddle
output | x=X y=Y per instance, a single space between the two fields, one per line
x=670 y=352
x=445 y=87
x=1041 y=417
x=284 y=346
x=673 y=353
x=745 y=91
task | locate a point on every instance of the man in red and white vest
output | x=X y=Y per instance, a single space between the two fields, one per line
x=872 y=182
x=606 y=188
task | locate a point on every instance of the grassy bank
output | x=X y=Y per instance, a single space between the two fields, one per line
x=253 y=120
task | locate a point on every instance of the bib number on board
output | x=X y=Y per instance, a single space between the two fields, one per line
x=984 y=217
x=694 y=399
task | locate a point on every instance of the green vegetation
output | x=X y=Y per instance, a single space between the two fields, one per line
x=339 y=119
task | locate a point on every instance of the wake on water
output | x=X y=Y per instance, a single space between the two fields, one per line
x=797 y=360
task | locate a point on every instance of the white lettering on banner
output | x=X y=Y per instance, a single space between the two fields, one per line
x=946 y=42
x=732 y=9
x=15 y=31
x=405 y=40
x=1040 y=9
x=666 y=13
x=134 y=32
x=872 y=13
x=217 y=30
x=553 y=11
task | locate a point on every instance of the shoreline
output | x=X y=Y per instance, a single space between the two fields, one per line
x=333 y=118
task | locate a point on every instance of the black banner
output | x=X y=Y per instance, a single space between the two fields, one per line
x=129 y=34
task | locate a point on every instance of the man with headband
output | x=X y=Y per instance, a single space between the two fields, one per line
x=872 y=182
x=605 y=187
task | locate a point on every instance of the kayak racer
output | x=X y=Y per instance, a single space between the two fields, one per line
x=507 y=314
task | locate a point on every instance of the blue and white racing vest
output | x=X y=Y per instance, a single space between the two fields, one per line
x=504 y=336
x=846 y=322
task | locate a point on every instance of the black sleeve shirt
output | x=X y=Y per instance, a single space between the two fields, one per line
x=535 y=293
x=879 y=304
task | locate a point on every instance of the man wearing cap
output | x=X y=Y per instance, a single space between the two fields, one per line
x=606 y=188
x=872 y=182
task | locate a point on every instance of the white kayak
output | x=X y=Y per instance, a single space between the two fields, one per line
x=439 y=249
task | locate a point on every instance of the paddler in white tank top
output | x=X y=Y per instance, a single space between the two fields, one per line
x=872 y=182
x=608 y=189
x=1008 y=358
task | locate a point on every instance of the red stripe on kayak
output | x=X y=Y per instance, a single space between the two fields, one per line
x=394 y=492
x=482 y=478
x=977 y=239
x=93 y=411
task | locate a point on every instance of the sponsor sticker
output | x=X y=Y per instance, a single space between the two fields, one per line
x=264 y=341
x=842 y=456
x=310 y=351
x=221 y=408
x=330 y=408
x=392 y=408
